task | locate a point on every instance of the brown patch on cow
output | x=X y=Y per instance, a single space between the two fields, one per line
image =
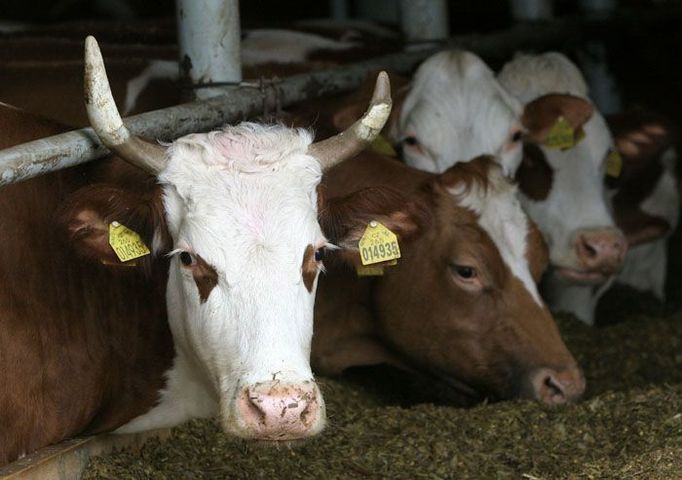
x=69 y=315
x=205 y=276
x=540 y=115
x=537 y=252
x=534 y=175
x=309 y=267
x=640 y=227
x=475 y=173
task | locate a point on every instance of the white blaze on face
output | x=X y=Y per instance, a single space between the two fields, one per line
x=457 y=110
x=245 y=201
x=502 y=218
x=577 y=199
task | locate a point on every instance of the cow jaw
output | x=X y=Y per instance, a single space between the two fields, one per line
x=243 y=314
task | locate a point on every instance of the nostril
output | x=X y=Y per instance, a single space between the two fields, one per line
x=554 y=389
x=254 y=407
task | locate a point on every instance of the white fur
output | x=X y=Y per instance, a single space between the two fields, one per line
x=457 y=110
x=501 y=216
x=285 y=46
x=245 y=200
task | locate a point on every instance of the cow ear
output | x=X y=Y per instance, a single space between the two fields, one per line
x=540 y=115
x=640 y=227
x=641 y=135
x=344 y=219
x=84 y=218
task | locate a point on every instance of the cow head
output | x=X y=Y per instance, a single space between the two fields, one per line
x=235 y=211
x=562 y=187
x=456 y=109
x=462 y=301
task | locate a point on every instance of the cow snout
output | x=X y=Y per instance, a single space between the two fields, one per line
x=601 y=250
x=278 y=411
x=556 y=387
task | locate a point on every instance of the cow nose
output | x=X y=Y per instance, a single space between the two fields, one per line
x=554 y=387
x=279 y=411
x=601 y=250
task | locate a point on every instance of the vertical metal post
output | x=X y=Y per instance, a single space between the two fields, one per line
x=209 y=43
x=338 y=9
x=424 y=22
x=531 y=10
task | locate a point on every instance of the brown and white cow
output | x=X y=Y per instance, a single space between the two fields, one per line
x=562 y=189
x=216 y=320
x=462 y=301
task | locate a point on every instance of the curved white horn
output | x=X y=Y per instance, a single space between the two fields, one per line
x=106 y=121
x=358 y=136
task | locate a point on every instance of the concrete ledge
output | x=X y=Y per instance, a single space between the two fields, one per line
x=67 y=460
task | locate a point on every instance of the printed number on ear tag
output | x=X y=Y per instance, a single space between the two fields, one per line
x=561 y=135
x=126 y=244
x=614 y=164
x=378 y=244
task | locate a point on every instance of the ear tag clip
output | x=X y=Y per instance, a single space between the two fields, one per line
x=126 y=244
x=614 y=164
x=561 y=136
x=383 y=146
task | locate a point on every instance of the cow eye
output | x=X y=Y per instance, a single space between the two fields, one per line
x=187 y=259
x=412 y=141
x=319 y=254
x=516 y=136
x=464 y=272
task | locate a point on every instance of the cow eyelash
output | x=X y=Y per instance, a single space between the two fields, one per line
x=187 y=259
x=464 y=272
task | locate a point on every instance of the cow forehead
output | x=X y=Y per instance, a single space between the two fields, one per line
x=232 y=193
x=457 y=100
x=501 y=217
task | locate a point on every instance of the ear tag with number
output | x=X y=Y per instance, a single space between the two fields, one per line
x=383 y=146
x=614 y=164
x=561 y=135
x=378 y=244
x=126 y=244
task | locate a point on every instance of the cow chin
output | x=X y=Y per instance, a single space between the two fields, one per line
x=580 y=277
x=275 y=411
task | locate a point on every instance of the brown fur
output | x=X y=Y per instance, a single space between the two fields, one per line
x=309 y=268
x=534 y=175
x=542 y=113
x=83 y=347
x=642 y=138
x=417 y=314
x=205 y=276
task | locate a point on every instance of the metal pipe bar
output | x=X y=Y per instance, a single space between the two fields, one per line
x=72 y=148
x=209 y=44
x=424 y=22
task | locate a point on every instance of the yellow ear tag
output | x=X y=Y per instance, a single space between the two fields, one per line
x=614 y=164
x=378 y=244
x=383 y=146
x=561 y=135
x=126 y=244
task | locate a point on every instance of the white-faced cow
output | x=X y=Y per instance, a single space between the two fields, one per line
x=562 y=188
x=231 y=220
x=462 y=301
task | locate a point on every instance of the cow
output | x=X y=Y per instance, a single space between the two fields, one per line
x=213 y=318
x=461 y=303
x=646 y=202
x=562 y=186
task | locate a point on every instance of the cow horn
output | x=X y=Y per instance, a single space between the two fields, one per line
x=355 y=138
x=106 y=121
